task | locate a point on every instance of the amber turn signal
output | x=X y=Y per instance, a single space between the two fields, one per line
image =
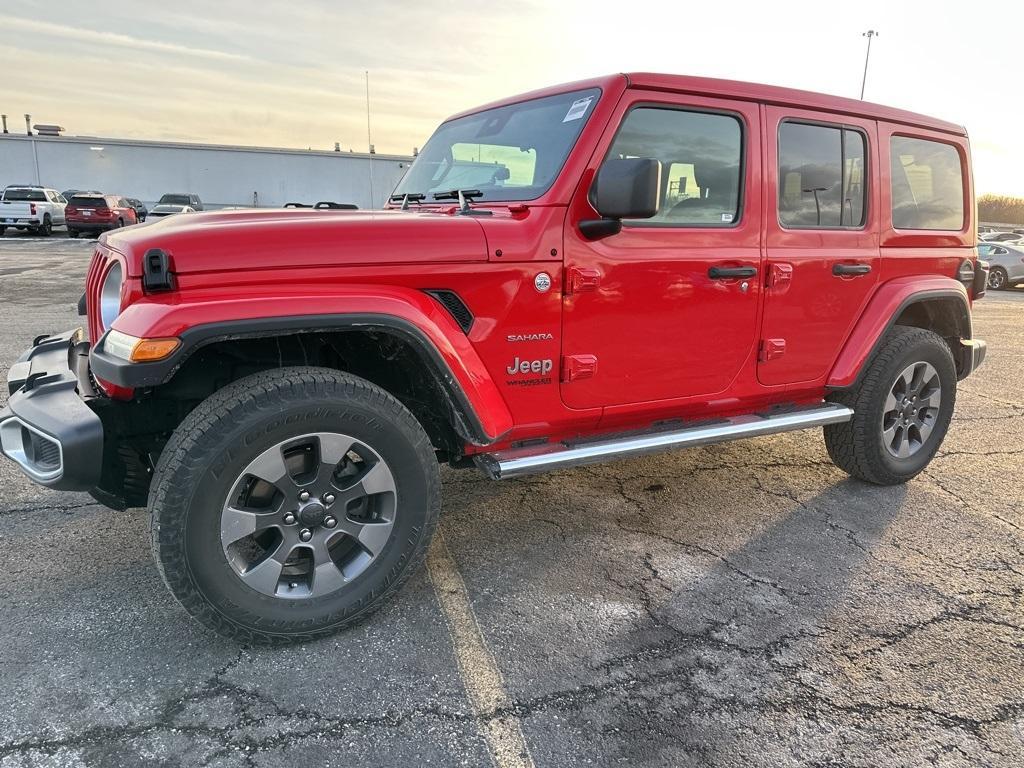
x=148 y=350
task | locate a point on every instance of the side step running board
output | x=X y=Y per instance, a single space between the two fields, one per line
x=545 y=458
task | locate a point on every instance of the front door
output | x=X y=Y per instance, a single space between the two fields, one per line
x=821 y=237
x=667 y=308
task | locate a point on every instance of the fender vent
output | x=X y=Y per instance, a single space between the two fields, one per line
x=455 y=306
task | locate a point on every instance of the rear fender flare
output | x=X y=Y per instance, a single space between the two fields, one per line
x=881 y=313
x=480 y=413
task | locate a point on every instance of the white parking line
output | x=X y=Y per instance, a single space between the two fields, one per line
x=480 y=675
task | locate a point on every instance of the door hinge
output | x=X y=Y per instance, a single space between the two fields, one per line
x=780 y=275
x=582 y=280
x=576 y=367
x=771 y=349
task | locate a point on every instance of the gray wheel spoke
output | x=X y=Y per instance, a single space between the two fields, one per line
x=238 y=523
x=889 y=435
x=269 y=466
x=890 y=403
x=264 y=576
x=373 y=536
x=333 y=448
x=327 y=577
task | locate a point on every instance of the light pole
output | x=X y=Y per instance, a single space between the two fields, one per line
x=869 y=34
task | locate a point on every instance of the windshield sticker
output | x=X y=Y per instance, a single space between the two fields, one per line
x=578 y=109
x=726 y=217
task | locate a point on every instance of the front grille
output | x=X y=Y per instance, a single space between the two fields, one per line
x=93 y=282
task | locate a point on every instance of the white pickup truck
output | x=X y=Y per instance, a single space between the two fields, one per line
x=37 y=209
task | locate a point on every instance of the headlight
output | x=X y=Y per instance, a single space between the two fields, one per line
x=110 y=296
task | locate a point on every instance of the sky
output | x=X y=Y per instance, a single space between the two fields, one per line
x=291 y=74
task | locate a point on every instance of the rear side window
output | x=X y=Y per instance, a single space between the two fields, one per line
x=700 y=155
x=927 y=185
x=821 y=176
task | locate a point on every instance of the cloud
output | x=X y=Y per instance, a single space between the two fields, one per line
x=94 y=37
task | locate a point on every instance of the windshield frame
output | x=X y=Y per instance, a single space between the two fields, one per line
x=584 y=90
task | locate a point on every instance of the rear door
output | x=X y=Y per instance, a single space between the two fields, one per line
x=821 y=239
x=667 y=308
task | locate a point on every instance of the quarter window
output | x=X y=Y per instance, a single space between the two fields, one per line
x=927 y=185
x=700 y=155
x=821 y=176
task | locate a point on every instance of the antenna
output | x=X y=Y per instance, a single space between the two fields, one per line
x=369 y=139
x=869 y=34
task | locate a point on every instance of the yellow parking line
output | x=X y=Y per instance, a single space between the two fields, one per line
x=480 y=676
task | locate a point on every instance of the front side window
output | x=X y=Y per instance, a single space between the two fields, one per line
x=927 y=185
x=508 y=153
x=700 y=154
x=821 y=176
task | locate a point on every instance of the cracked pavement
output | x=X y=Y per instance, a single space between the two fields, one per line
x=739 y=605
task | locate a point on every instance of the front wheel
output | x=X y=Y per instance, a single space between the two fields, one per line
x=292 y=504
x=901 y=409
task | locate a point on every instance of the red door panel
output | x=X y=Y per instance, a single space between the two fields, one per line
x=643 y=308
x=818 y=278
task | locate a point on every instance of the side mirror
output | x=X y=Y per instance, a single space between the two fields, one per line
x=628 y=188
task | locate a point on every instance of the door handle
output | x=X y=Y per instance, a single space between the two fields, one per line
x=727 y=273
x=843 y=270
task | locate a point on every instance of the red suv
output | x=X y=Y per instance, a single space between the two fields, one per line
x=594 y=271
x=98 y=213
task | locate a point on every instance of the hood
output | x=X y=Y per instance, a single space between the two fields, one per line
x=218 y=241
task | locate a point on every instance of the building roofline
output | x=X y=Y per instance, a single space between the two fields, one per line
x=200 y=146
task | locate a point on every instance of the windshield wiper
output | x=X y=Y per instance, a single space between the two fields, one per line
x=464 y=196
x=408 y=197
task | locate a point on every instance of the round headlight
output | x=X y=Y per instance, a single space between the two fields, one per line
x=110 y=296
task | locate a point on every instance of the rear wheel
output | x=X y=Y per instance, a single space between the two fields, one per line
x=902 y=407
x=2 y=231
x=47 y=229
x=72 y=233
x=997 y=278
x=293 y=503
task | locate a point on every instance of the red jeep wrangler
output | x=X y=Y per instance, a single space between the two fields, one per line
x=598 y=270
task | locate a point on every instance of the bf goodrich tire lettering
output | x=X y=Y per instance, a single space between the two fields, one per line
x=213 y=463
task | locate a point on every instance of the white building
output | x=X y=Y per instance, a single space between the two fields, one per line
x=221 y=175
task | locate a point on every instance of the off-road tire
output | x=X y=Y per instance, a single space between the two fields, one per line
x=200 y=464
x=856 y=446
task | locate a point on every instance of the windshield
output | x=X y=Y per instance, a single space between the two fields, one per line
x=175 y=200
x=508 y=153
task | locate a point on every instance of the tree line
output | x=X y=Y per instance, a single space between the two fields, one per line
x=1001 y=209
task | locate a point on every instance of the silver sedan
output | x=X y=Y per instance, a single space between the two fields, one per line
x=1006 y=264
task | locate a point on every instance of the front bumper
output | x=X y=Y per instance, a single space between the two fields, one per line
x=972 y=354
x=46 y=427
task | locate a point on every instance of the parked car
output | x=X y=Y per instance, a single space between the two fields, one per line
x=1003 y=237
x=164 y=209
x=1006 y=264
x=186 y=199
x=37 y=209
x=140 y=208
x=87 y=212
x=642 y=263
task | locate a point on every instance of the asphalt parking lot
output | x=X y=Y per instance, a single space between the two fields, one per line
x=739 y=605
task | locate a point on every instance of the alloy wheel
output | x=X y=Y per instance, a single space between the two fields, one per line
x=996 y=278
x=911 y=410
x=309 y=515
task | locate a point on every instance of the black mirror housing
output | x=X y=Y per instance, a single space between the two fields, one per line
x=628 y=188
